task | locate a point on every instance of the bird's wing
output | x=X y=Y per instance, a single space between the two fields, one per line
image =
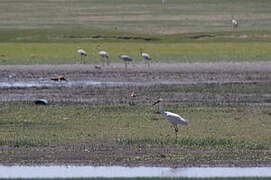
x=145 y=55
x=103 y=53
x=125 y=57
x=81 y=51
x=175 y=118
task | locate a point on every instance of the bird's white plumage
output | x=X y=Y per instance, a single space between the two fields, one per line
x=103 y=54
x=146 y=56
x=82 y=52
x=126 y=58
x=174 y=118
x=234 y=21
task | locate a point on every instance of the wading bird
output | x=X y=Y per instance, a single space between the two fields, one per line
x=81 y=52
x=173 y=118
x=132 y=97
x=126 y=59
x=58 y=78
x=104 y=55
x=145 y=56
x=234 y=23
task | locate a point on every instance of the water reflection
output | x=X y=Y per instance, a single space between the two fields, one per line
x=119 y=171
x=28 y=84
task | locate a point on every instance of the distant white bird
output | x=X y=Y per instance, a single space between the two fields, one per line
x=104 y=55
x=173 y=118
x=81 y=52
x=145 y=56
x=234 y=22
x=126 y=59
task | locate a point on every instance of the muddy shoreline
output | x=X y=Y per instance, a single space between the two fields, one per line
x=113 y=84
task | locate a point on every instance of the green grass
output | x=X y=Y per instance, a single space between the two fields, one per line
x=65 y=53
x=209 y=126
x=142 y=16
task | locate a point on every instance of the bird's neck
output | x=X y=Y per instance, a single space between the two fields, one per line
x=161 y=108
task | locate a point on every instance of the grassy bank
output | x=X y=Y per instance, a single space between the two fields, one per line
x=65 y=53
x=209 y=125
x=152 y=16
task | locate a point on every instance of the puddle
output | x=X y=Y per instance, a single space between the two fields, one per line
x=119 y=171
x=29 y=84
x=25 y=84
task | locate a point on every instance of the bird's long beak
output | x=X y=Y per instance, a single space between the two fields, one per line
x=156 y=102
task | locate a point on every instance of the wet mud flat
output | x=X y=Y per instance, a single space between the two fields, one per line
x=175 y=82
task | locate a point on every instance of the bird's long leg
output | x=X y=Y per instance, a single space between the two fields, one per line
x=107 y=61
x=84 y=59
x=171 y=132
x=81 y=58
x=176 y=131
x=126 y=65
x=102 y=59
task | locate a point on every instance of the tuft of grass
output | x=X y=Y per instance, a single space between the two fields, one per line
x=209 y=142
x=22 y=142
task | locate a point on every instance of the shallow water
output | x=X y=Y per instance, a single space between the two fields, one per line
x=29 y=84
x=119 y=171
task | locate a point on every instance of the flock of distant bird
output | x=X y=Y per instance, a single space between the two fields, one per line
x=173 y=118
x=105 y=56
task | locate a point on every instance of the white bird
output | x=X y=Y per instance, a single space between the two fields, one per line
x=234 y=22
x=103 y=54
x=173 y=118
x=81 y=52
x=145 y=56
x=126 y=59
